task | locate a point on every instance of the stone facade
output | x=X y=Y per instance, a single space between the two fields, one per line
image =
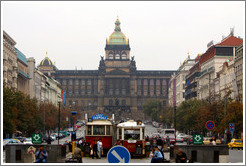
x=117 y=87
x=180 y=83
x=23 y=77
x=9 y=61
x=239 y=71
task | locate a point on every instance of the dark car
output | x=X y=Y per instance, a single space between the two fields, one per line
x=22 y=139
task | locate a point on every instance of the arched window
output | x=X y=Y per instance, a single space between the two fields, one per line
x=123 y=56
x=110 y=56
x=117 y=56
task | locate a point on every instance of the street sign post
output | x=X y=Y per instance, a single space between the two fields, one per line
x=210 y=125
x=197 y=139
x=232 y=128
x=118 y=154
x=36 y=138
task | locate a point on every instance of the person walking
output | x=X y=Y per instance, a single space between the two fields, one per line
x=49 y=140
x=168 y=141
x=94 y=150
x=157 y=156
x=41 y=155
x=99 y=147
x=159 y=142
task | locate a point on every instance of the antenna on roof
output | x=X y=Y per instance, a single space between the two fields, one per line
x=232 y=31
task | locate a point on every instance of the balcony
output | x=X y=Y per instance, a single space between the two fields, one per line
x=15 y=65
x=14 y=85
x=5 y=68
x=5 y=57
x=15 y=75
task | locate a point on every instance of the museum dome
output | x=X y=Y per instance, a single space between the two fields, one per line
x=46 y=62
x=117 y=37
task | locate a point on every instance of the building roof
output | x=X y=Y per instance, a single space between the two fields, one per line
x=46 y=62
x=117 y=37
x=21 y=56
x=230 y=41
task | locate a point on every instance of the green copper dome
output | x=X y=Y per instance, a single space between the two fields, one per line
x=117 y=37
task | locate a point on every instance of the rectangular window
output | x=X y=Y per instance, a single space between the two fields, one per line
x=89 y=130
x=89 y=82
x=76 y=82
x=139 y=82
x=98 y=130
x=70 y=82
x=107 y=130
x=64 y=82
x=82 y=82
x=123 y=91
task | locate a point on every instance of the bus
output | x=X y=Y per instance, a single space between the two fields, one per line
x=171 y=134
x=131 y=135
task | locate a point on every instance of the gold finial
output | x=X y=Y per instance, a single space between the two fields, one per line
x=46 y=53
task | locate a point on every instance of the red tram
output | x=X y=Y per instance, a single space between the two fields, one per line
x=99 y=127
x=131 y=135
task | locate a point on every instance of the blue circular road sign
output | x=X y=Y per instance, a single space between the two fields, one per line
x=118 y=154
x=210 y=125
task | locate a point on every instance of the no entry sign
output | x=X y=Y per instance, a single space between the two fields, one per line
x=210 y=125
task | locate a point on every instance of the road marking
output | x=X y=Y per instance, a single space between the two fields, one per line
x=118 y=157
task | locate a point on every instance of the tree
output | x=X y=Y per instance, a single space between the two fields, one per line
x=153 y=109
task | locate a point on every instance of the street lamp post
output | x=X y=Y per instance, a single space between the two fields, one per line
x=59 y=101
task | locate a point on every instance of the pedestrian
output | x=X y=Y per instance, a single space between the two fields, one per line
x=77 y=154
x=181 y=157
x=94 y=149
x=157 y=156
x=168 y=141
x=99 y=147
x=159 y=142
x=41 y=155
x=49 y=140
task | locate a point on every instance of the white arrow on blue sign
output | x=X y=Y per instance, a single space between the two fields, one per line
x=118 y=154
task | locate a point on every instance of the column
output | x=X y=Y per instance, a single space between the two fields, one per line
x=122 y=132
x=141 y=133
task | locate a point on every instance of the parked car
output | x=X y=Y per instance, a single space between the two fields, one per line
x=10 y=141
x=207 y=140
x=53 y=136
x=179 y=139
x=236 y=143
x=22 y=139
x=28 y=141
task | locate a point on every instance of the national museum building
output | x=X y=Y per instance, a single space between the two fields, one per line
x=116 y=87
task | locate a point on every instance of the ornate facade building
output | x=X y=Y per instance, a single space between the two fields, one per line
x=116 y=87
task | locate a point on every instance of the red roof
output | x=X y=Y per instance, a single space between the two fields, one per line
x=207 y=55
x=231 y=41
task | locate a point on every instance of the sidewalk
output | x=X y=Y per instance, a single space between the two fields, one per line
x=104 y=159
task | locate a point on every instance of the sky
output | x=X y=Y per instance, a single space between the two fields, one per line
x=161 y=33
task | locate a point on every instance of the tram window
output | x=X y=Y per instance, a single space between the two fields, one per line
x=98 y=130
x=107 y=130
x=89 y=130
x=132 y=136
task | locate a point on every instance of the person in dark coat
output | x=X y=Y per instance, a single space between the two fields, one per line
x=159 y=143
x=181 y=157
x=94 y=149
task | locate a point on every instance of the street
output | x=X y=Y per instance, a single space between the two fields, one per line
x=235 y=156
